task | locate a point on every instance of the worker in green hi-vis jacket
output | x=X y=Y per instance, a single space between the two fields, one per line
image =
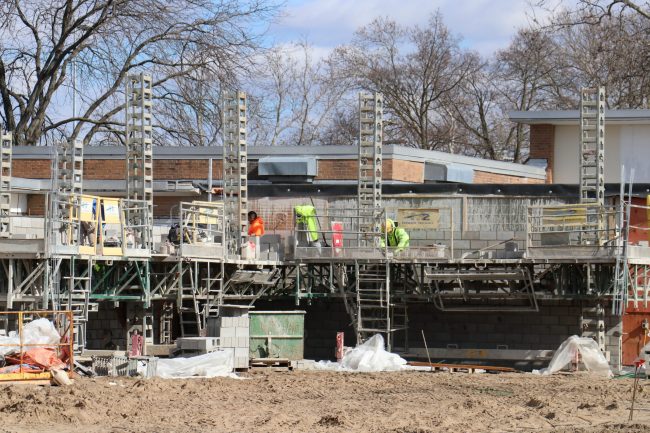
x=397 y=237
x=307 y=225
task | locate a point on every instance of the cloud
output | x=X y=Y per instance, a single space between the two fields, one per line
x=484 y=25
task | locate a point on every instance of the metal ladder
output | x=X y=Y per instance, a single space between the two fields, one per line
x=592 y=157
x=79 y=284
x=165 y=323
x=375 y=311
x=214 y=298
x=187 y=305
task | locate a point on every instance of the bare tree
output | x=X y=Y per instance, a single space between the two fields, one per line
x=416 y=68
x=181 y=42
x=297 y=95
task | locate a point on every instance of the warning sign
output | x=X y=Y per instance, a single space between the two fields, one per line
x=418 y=219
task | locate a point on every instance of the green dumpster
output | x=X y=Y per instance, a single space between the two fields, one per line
x=277 y=334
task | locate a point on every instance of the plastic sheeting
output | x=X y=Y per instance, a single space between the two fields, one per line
x=40 y=331
x=591 y=356
x=214 y=364
x=370 y=356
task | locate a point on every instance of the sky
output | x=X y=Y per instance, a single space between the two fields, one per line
x=484 y=25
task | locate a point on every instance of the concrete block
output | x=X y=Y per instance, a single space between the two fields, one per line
x=242 y=342
x=487 y=235
x=461 y=245
x=505 y=235
x=549 y=320
x=520 y=235
x=242 y=332
x=477 y=244
x=227 y=322
x=471 y=235
x=241 y=352
x=226 y=332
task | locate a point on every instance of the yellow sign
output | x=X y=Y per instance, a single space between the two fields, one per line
x=564 y=216
x=87 y=209
x=418 y=219
x=111 y=210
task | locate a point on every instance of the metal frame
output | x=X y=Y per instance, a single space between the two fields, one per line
x=370 y=159
x=6 y=142
x=235 y=169
x=139 y=154
x=592 y=145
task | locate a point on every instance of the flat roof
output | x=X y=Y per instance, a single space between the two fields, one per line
x=572 y=117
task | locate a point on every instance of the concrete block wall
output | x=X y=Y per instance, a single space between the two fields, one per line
x=30 y=226
x=546 y=330
x=108 y=318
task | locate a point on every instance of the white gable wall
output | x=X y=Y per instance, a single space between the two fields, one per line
x=627 y=144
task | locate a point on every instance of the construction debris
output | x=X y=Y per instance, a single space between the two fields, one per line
x=370 y=356
x=581 y=349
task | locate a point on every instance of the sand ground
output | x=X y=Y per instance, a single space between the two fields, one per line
x=315 y=402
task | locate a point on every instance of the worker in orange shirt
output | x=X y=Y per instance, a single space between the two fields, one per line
x=255 y=225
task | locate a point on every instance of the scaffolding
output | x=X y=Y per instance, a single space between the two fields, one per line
x=235 y=170
x=370 y=159
x=592 y=157
x=139 y=155
x=5 y=184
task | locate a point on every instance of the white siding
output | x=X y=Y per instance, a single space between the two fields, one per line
x=567 y=148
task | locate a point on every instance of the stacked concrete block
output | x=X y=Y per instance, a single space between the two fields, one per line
x=234 y=332
x=198 y=345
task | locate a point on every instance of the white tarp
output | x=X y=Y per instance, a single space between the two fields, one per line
x=219 y=363
x=39 y=331
x=370 y=356
x=590 y=353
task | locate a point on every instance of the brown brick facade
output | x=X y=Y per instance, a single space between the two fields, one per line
x=337 y=169
x=542 y=143
x=406 y=171
x=191 y=169
x=35 y=204
x=486 y=177
x=31 y=168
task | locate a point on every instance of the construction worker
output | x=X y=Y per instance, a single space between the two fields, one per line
x=397 y=237
x=307 y=224
x=255 y=225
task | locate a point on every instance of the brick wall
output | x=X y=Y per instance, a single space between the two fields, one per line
x=542 y=143
x=337 y=169
x=486 y=177
x=185 y=169
x=31 y=168
x=170 y=169
x=407 y=171
x=35 y=204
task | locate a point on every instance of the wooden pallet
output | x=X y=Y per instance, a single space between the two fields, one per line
x=470 y=368
x=271 y=362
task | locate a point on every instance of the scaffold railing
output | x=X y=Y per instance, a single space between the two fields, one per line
x=202 y=230
x=574 y=229
x=334 y=233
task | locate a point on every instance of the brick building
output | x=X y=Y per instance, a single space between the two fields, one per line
x=181 y=173
x=555 y=141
